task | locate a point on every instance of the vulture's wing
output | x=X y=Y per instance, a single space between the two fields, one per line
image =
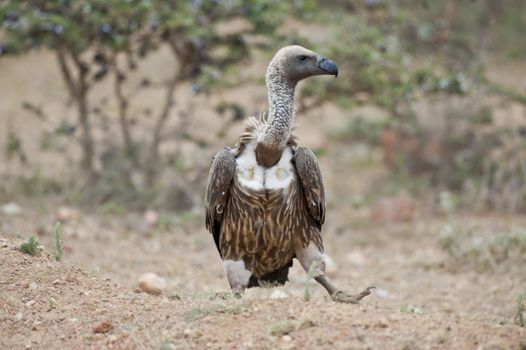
x=216 y=196
x=309 y=173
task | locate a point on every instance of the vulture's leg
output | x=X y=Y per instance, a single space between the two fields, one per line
x=311 y=258
x=238 y=276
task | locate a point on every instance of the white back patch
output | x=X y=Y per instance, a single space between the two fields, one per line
x=280 y=175
x=249 y=173
x=256 y=177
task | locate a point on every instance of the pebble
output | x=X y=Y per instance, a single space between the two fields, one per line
x=103 y=327
x=382 y=323
x=188 y=332
x=278 y=294
x=286 y=338
x=11 y=209
x=151 y=283
x=112 y=338
x=30 y=303
x=67 y=214
x=33 y=285
x=151 y=217
x=35 y=325
x=18 y=316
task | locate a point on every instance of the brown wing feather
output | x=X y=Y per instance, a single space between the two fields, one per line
x=216 y=196
x=309 y=173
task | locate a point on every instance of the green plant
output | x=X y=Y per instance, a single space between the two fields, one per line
x=58 y=245
x=311 y=274
x=30 y=246
x=13 y=145
x=519 y=311
x=484 y=249
x=109 y=39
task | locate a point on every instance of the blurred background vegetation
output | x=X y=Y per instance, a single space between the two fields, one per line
x=424 y=73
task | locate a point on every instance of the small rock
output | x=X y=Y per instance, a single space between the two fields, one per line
x=72 y=319
x=382 y=323
x=30 y=303
x=330 y=265
x=32 y=285
x=174 y=296
x=103 y=327
x=151 y=217
x=55 y=282
x=151 y=283
x=112 y=338
x=67 y=214
x=11 y=209
x=306 y=324
x=188 y=332
x=35 y=325
x=18 y=316
x=278 y=294
x=286 y=338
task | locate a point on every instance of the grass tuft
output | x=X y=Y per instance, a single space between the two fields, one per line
x=30 y=246
x=484 y=249
x=313 y=272
x=58 y=245
x=519 y=311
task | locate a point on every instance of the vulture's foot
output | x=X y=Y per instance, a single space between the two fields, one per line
x=342 y=297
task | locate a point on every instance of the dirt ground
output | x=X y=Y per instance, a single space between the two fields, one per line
x=425 y=298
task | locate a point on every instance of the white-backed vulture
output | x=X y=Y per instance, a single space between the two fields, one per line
x=265 y=201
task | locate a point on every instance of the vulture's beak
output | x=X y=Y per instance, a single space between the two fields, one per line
x=327 y=66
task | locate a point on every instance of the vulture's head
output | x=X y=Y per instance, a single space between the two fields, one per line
x=294 y=63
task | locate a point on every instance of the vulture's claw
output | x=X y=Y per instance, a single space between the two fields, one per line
x=342 y=297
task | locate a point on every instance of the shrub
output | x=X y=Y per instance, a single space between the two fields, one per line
x=30 y=246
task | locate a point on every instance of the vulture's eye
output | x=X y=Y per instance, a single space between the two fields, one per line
x=303 y=58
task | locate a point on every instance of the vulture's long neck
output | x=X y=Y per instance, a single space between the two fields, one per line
x=274 y=138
